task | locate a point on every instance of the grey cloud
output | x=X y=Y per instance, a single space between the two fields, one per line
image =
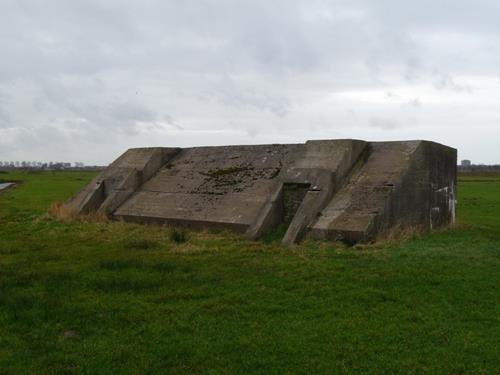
x=415 y=103
x=252 y=132
x=4 y=117
x=97 y=110
x=444 y=81
x=169 y=120
x=119 y=73
x=383 y=123
x=250 y=98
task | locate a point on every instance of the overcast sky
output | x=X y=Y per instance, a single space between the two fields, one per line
x=83 y=80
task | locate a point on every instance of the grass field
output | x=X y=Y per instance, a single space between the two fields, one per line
x=116 y=298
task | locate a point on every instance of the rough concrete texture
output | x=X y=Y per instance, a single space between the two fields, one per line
x=347 y=190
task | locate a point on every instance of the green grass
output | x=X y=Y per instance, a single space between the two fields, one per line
x=117 y=298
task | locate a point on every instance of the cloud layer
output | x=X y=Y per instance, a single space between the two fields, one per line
x=83 y=80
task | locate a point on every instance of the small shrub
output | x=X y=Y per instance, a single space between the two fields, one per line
x=178 y=235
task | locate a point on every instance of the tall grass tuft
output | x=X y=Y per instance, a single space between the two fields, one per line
x=62 y=212
x=178 y=235
x=65 y=213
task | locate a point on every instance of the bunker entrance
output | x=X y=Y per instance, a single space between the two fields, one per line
x=293 y=195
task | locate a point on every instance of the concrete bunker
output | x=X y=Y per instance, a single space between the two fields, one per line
x=348 y=190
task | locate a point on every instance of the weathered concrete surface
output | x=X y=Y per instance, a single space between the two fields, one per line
x=218 y=186
x=347 y=190
x=122 y=178
x=399 y=185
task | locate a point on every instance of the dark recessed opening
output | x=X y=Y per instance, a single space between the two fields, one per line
x=293 y=195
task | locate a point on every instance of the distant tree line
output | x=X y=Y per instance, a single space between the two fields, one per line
x=479 y=168
x=44 y=166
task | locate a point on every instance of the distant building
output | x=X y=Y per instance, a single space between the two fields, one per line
x=465 y=163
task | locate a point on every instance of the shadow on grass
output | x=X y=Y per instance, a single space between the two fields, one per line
x=140 y=244
x=120 y=264
x=123 y=282
x=275 y=235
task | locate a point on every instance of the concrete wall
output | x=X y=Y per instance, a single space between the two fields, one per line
x=399 y=186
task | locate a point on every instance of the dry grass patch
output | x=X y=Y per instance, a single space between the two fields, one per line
x=63 y=212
